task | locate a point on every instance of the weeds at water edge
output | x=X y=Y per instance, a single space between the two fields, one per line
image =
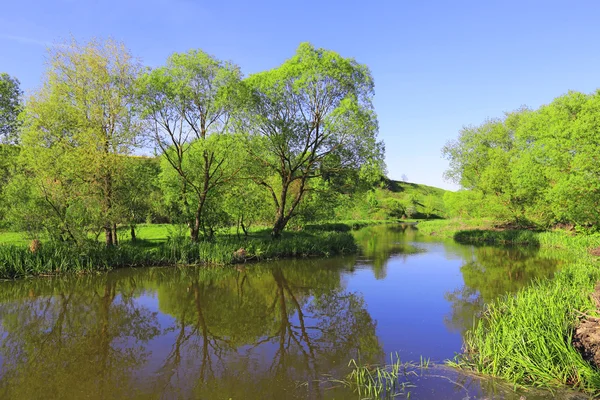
x=387 y=381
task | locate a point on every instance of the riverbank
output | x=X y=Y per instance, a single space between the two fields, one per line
x=51 y=258
x=162 y=245
x=527 y=338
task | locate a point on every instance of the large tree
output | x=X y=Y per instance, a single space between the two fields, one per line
x=77 y=128
x=10 y=107
x=184 y=104
x=312 y=117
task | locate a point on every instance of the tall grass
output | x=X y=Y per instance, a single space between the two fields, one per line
x=526 y=338
x=51 y=258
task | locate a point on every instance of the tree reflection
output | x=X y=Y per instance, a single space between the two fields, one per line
x=281 y=323
x=241 y=332
x=85 y=336
x=379 y=243
x=490 y=272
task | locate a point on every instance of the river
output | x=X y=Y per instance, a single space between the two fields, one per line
x=278 y=330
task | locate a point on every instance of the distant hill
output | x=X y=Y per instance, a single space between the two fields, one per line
x=396 y=199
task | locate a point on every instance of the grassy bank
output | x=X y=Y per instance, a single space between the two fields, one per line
x=526 y=338
x=163 y=244
x=51 y=258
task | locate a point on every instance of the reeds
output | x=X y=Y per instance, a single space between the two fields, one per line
x=380 y=381
x=526 y=338
x=54 y=258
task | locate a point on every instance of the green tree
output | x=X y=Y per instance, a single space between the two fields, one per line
x=205 y=202
x=8 y=168
x=10 y=107
x=137 y=191
x=77 y=128
x=310 y=117
x=185 y=103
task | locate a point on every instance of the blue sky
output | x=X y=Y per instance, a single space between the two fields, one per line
x=438 y=65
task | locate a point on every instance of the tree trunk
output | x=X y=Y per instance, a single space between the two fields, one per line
x=280 y=220
x=115 y=236
x=133 y=238
x=279 y=226
x=244 y=228
x=195 y=228
x=108 y=235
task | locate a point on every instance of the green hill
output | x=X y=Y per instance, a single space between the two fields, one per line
x=396 y=199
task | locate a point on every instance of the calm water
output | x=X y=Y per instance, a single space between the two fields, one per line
x=261 y=331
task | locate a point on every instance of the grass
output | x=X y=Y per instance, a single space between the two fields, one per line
x=447 y=228
x=149 y=234
x=53 y=258
x=13 y=238
x=525 y=338
x=380 y=381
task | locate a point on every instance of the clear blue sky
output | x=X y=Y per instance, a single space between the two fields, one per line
x=438 y=65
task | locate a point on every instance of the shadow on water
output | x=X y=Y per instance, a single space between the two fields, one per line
x=262 y=331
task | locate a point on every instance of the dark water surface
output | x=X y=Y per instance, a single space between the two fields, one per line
x=276 y=330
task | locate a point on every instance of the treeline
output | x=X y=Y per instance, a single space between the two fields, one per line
x=283 y=146
x=531 y=167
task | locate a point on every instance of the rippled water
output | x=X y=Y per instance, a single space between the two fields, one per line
x=277 y=330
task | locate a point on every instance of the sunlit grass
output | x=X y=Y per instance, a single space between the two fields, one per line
x=53 y=258
x=526 y=338
x=387 y=381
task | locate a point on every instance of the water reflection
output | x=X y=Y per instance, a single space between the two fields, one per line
x=73 y=336
x=256 y=331
x=490 y=272
x=225 y=332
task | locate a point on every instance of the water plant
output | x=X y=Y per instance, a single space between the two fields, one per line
x=373 y=381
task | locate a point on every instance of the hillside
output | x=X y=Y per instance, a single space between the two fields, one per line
x=396 y=199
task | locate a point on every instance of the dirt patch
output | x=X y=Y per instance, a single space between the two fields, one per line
x=587 y=335
x=595 y=252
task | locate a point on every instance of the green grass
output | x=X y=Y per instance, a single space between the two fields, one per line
x=526 y=337
x=380 y=204
x=53 y=258
x=13 y=238
x=447 y=228
x=380 y=381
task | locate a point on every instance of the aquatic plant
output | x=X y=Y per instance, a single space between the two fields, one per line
x=380 y=381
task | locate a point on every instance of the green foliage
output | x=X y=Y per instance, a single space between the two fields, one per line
x=77 y=128
x=198 y=196
x=312 y=117
x=187 y=105
x=8 y=169
x=297 y=143
x=393 y=200
x=532 y=166
x=55 y=258
x=10 y=108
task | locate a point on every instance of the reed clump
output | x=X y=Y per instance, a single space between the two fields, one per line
x=56 y=258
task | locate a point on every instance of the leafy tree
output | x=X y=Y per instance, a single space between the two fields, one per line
x=77 y=128
x=246 y=204
x=8 y=168
x=205 y=202
x=185 y=103
x=10 y=107
x=311 y=117
x=137 y=190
